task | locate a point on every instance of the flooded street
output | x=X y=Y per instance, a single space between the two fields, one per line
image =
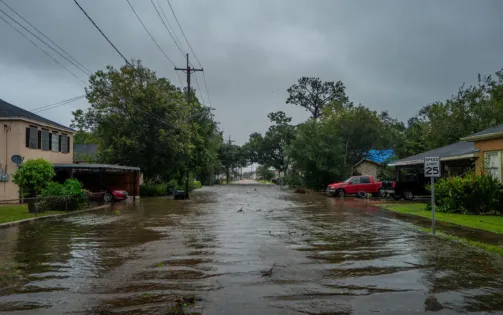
x=282 y=254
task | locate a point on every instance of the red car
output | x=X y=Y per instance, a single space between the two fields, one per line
x=355 y=185
x=115 y=195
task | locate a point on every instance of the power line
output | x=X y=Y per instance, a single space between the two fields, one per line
x=199 y=88
x=73 y=63
x=47 y=107
x=73 y=99
x=45 y=52
x=165 y=26
x=152 y=37
x=181 y=29
x=108 y=40
x=190 y=47
x=41 y=33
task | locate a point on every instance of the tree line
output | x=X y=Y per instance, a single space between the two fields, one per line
x=139 y=119
x=339 y=133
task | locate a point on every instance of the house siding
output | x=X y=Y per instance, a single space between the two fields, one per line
x=367 y=168
x=14 y=142
x=486 y=146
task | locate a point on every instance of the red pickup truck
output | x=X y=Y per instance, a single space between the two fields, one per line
x=355 y=185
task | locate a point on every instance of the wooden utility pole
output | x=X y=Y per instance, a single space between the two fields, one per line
x=187 y=71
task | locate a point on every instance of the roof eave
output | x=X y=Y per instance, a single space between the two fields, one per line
x=38 y=123
x=486 y=136
x=445 y=158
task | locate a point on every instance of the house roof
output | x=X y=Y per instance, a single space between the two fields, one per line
x=493 y=132
x=458 y=150
x=86 y=149
x=7 y=110
x=366 y=160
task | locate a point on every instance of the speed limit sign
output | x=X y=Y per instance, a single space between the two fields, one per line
x=432 y=170
x=432 y=167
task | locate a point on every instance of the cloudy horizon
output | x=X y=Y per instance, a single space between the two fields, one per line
x=391 y=55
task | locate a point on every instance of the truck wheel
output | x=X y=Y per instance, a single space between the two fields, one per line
x=408 y=195
x=108 y=197
x=340 y=193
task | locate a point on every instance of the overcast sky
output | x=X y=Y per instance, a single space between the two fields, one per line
x=391 y=55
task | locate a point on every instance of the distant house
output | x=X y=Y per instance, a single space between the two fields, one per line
x=85 y=153
x=482 y=151
x=373 y=164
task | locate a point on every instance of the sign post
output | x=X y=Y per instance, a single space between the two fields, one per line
x=432 y=169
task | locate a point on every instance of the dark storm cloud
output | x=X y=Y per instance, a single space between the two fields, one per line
x=391 y=55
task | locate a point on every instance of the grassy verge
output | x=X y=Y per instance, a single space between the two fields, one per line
x=488 y=223
x=263 y=181
x=487 y=247
x=9 y=213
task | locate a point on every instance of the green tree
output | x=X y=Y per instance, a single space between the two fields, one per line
x=314 y=95
x=472 y=109
x=270 y=149
x=33 y=175
x=138 y=119
x=263 y=172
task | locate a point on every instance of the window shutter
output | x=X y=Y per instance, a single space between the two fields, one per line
x=50 y=141
x=39 y=139
x=27 y=137
x=68 y=147
x=59 y=143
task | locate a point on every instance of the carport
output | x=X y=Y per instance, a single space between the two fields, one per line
x=99 y=177
x=456 y=158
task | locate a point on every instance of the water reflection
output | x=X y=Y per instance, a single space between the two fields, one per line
x=330 y=256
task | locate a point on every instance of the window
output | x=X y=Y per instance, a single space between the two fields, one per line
x=33 y=136
x=64 y=143
x=493 y=164
x=365 y=180
x=45 y=140
x=355 y=180
x=55 y=142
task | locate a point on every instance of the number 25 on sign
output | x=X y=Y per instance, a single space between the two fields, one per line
x=432 y=167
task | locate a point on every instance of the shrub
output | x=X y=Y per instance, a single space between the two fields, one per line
x=33 y=175
x=67 y=196
x=471 y=193
x=154 y=189
x=195 y=184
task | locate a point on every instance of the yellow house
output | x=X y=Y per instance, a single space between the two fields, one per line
x=29 y=136
x=489 y=144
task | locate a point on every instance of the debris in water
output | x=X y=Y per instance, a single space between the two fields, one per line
x=432 y=304
x=240 y=210
x=270 y=211
x=259 y=210
x=268 y=273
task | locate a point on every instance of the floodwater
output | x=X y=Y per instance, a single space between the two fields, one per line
x=282 y=254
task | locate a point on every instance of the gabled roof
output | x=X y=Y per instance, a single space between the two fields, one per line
x=455 y=151
x=489 y=133
x=366 y=160
x=7 y=110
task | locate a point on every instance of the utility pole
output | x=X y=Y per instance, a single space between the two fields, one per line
x=187 y=71
x=228 y=156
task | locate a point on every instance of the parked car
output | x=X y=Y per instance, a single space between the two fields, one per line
x=410 y=186
x=115 y=195
x=356 y=185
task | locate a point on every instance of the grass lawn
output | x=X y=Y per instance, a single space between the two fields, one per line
x=489 y=223
x=263 y=181
x=9 y=213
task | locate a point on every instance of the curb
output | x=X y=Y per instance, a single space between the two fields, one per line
x=47 y=217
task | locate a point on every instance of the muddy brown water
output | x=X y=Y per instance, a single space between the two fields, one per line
x=329 y=256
